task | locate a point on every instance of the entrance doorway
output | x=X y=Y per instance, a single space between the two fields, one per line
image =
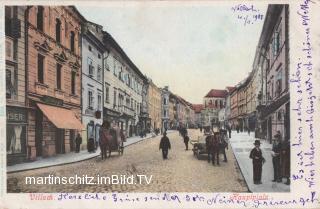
x=60 y=147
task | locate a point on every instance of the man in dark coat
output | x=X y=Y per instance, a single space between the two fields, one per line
x=165 y=145
x=186 y=140
x=276 y=148
x=257 y=161
x=285 y=160
x=78 y=142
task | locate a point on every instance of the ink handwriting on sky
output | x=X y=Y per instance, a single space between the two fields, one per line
x=247 y=14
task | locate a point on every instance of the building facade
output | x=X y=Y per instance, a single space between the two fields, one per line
x=274 y=45
x=233 y=119
x=54 y=79
x=17 y=144
x=197 y=114
x=213 y=102
x=165 y=118
x=92 y=81
x=154 y=101
x=123 y=86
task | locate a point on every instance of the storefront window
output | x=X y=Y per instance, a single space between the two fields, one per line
x=16 y=139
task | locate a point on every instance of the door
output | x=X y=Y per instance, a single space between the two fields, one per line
x=38 y=133
x=60 y=147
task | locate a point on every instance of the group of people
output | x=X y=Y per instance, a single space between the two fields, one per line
x=280 y=160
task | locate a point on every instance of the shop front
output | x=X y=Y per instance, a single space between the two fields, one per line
x=17 y=148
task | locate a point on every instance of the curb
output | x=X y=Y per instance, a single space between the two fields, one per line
x=76 y=161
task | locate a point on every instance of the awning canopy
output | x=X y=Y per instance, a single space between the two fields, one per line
x=61 y=117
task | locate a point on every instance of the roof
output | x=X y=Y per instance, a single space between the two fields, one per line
x=230 y=88
x=197 y=108
x=110 y=40
x=217 y=93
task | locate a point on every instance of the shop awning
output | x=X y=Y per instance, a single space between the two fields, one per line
x=61 y=117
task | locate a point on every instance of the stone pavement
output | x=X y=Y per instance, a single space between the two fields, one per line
x=67 y=158
x=182 y=172
x=242 y=144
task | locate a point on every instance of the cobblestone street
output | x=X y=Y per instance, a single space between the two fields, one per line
x=182 y=172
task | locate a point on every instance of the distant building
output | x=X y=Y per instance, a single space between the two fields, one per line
x=213 y=102
x=197 y=114
x=154 y=101
x=165 y=95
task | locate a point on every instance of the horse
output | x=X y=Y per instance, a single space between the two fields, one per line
x=212 y=144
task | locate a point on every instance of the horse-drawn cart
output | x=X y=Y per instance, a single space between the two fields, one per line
x=199 y=146
x=116 y=143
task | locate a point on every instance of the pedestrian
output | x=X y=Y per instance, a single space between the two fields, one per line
x=276 y=148
x=257 y=161
x=229 y=130
x=285 y=160
x=186 y=140
x=215 y=147
x=165 y=145
x=78 y=142
x=105 y=138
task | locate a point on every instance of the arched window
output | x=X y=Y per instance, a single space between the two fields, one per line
x=40 y=18
x=72 y=41
x=58 y=30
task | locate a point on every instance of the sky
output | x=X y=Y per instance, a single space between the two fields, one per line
x=191 y=48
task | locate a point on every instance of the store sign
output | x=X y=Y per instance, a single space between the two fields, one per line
x=16 y=115
x=52 y=100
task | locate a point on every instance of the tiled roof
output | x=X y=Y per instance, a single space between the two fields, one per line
x=230 y=88
x=217 y=93
x=197 y=108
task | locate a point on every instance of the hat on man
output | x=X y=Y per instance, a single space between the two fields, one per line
x=257 y=142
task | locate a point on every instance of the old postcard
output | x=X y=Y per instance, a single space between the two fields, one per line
x=160 y=104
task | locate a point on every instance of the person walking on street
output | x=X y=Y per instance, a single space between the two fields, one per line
x=186 y=140
x=229 y=130
x=78 y=142
x=257 y=161
x=276 y=148
x=165 y=145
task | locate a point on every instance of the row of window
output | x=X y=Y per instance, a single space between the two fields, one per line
x=129 y=102
x=92 y=69
x=58 y=29
x=91 y=100
x=123 y=75
x=59 y=74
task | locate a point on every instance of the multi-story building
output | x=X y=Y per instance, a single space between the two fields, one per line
x=123 y=86
x=154 y=100
x=242 y=105
x=197 y=114
x=233 y=119
x=17 y=144
x=53 y=59
x=274 y=50
x=213 y=102
x=92 y=80
x=165 y=95
x=144 y=119
x=227 y=111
